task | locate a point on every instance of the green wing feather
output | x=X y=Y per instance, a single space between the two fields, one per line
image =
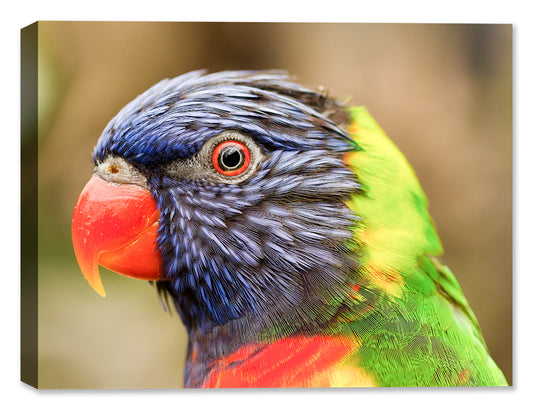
x=418 y=329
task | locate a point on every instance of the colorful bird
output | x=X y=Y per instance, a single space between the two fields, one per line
x=290 y=233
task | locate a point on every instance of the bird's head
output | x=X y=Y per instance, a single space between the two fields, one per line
x=229 y=190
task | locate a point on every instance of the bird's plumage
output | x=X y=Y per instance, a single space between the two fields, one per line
x=314 y=267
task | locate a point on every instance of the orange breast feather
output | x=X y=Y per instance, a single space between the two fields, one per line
x=303 y=361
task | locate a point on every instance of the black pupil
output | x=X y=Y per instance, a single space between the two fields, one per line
x=231 y=158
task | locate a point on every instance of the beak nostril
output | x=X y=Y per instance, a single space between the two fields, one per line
x=114 y=169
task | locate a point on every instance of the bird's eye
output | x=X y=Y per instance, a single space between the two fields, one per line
x=231 y=158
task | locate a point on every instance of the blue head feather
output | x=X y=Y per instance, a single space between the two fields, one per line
x=174 y=118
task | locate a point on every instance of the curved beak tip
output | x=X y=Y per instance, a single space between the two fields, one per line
x=88 y=263
x=98 y=287
x=100 y=291
x=94 y=280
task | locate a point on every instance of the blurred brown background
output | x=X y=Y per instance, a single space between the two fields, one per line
x=443 y=93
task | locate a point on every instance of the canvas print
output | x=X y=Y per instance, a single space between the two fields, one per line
x=266 y=205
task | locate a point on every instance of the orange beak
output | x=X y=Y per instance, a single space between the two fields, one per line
x=115 y=225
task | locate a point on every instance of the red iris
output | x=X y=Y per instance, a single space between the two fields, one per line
x=231 y=158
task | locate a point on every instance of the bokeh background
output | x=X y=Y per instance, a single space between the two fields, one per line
x=443 y=93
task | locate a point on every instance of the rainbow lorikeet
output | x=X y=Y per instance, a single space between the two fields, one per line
x=290 y=233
